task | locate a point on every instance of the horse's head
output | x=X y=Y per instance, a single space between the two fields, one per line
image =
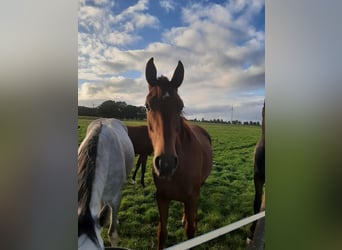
x=164 y=108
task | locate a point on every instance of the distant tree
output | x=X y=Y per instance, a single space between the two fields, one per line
x=86 y=111
x=121 y=108
x=141 y=113
x=108 y=109
x=130 y=112
x=236 y=122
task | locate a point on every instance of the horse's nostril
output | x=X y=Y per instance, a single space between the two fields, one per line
x=176 y=161
x=157 y=162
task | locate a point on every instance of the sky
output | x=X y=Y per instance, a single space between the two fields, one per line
x=220 y=43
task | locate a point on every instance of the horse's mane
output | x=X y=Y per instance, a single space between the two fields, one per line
x=162 y=79
x=86 y=174
x=186 y=130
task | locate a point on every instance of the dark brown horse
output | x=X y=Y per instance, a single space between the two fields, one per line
x=142 y=147
x=259 y=172
x=259 y=231
x=182 y=152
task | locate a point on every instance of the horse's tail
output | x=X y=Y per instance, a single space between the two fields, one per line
x=86 y=173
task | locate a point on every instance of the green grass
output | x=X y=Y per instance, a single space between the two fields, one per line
x=226 y=196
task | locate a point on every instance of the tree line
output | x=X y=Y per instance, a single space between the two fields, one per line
x=122 y=110
x=112 y=109
x=235 y=122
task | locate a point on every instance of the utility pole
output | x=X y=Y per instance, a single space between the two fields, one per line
x=231 y=115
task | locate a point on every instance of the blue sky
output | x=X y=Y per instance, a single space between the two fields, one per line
x=221 y=44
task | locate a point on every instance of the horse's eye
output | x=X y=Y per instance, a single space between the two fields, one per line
x=150 y=127
x=181 y=109
x=147 y=107
x=180 y=106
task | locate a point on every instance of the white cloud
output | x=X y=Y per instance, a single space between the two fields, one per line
x=168 y=5
x=141 y=5
x=115 y=88
x=121 y=38
x=134 y=17
x=101 y=33
x=100 y=2
x=145 y=20
x=217 y=55
x=221 y=50
x=89 y=18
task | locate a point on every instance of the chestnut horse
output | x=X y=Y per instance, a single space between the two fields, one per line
x=182 y=152
x=142 y=147
x=259 y=173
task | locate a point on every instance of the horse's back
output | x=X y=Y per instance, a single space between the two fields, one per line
x=115 y=155
x=120 y=145
x=140 y=139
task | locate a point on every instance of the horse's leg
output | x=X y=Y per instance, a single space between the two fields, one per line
x=163 y=207
x=190 y=217
x=136 y=168
x=258 y=234
x=258 y=185
x=113 y=227
x=104 y=214
x=183 y=217
x=143 y=169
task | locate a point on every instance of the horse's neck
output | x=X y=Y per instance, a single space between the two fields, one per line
x=185 y=134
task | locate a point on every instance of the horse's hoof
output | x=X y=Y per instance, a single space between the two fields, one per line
x=114 y=239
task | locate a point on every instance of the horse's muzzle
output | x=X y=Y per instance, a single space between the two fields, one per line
x=165 y=166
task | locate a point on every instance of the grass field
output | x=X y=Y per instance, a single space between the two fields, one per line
x=226 y=196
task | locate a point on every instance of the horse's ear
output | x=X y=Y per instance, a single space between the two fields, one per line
x=178 y=75
x=151 y=72
x=104 y=215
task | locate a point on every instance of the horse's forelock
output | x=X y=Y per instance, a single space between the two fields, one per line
x=161 y=90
